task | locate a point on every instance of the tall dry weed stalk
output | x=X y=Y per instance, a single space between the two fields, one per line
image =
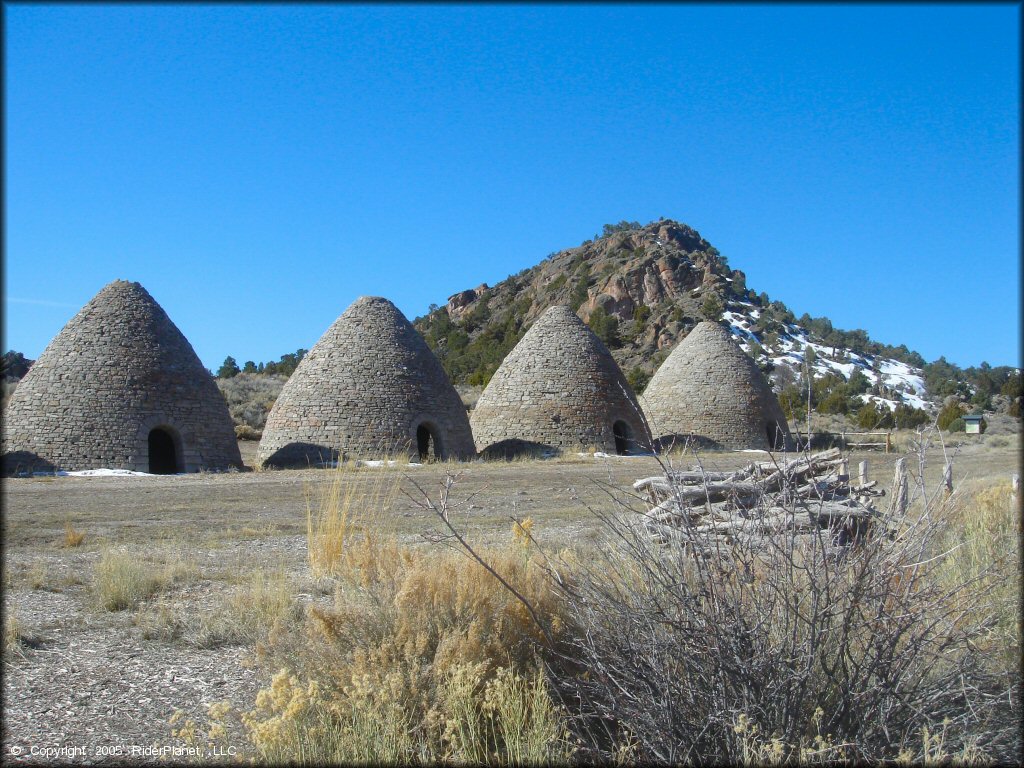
x=12 y=633
x=354 y=500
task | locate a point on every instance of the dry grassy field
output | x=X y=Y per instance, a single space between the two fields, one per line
x=130 y=599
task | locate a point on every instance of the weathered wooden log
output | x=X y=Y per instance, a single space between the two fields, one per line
x=821 y=489
x=714 y=491
x=700 y=477
x=654 y=487
x=833 y=510
x=825 y=458
x=768 y=525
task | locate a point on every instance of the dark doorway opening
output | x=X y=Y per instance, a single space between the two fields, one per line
x=776 y=437
x=428 y=447
x=623 y=437
x=163 y=457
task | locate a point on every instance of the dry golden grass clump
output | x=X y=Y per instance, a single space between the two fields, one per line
x=123 y=580
x=12 y=632
x=981 y=548
x=341 y=508
x=72 y=538
x=248 y=613
x=424 y=656
x=242 y=615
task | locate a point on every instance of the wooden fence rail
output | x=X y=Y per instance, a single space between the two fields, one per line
x=860 y=440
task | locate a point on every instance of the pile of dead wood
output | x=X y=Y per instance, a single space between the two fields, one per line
x=807 y=496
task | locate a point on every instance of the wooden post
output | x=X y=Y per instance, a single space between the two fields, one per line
x=947 y=477
x=888 y=441
x=844 y=471
x=862 y=473
x=898 y=499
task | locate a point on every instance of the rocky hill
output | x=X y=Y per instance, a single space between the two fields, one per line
x=642 y=289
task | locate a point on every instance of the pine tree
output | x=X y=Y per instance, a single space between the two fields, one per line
x=712 y=308
x=228 y=369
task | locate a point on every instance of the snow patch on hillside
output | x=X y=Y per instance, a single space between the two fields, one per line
x=901 y=383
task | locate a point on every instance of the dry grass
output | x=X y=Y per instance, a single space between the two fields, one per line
x=239 y=615
x=423 y=656
x=123 y=580
x=12 y=633
x=72 y=538
x=162 y=620
x=353 y=500
x=38 y=575
x=248 y=613
x=982 y=547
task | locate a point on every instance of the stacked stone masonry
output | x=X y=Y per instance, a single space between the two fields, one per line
x=117 y=371
x=711 y=389
x=365 y=390
x=559 y=388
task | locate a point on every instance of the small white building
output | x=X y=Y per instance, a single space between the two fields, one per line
x=972 y=424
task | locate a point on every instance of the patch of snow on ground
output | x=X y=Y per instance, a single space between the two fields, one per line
x=895 y=373
x=914 y=401
x=738 y=328
x=104 y=472
x=875 y=399
x=790 y=361
x=846 y=369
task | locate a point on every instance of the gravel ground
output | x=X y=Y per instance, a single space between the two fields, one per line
x=91 y=685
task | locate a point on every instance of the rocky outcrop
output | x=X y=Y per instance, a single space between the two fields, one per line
x=460 y=302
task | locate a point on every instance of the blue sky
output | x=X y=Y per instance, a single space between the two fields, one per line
x=258 y=167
